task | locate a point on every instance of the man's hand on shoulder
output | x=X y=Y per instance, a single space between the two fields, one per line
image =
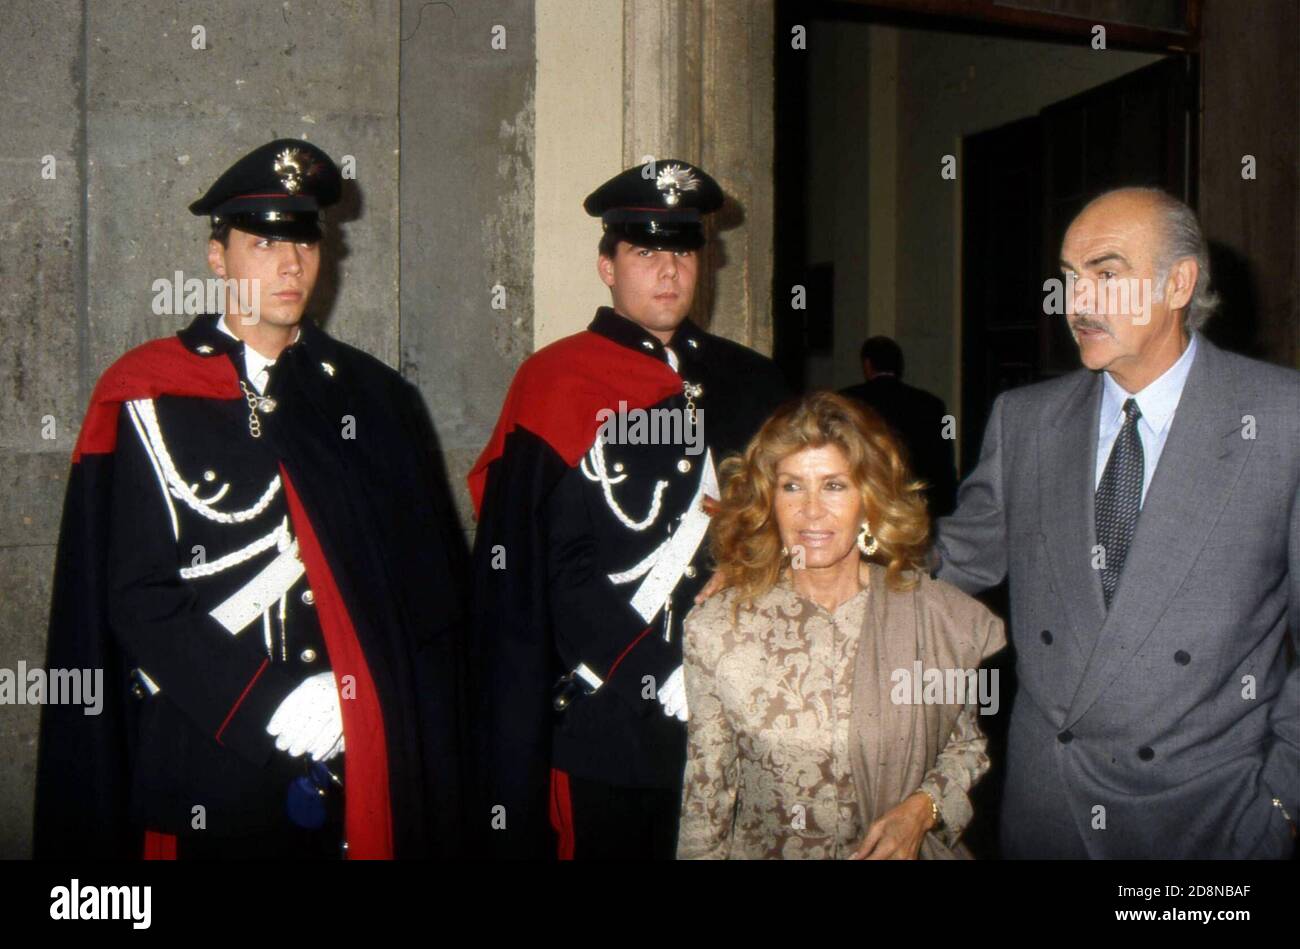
x=717 y=583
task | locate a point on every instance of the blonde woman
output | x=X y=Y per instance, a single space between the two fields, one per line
x=806 y=738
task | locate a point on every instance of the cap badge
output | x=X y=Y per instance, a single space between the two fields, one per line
x=672 y=180
x=292 y=165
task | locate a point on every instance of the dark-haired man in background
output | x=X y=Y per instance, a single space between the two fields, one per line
x=916 y=416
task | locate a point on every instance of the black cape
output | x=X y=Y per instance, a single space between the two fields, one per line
x=523 y=593
x=379 y=506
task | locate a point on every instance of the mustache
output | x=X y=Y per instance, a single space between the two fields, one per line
x=1087 y=323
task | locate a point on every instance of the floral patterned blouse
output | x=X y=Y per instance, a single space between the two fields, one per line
x=767 y=767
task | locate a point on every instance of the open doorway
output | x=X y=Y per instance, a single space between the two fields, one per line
x=926 y=167
x=874 y=185
x=1023 y=184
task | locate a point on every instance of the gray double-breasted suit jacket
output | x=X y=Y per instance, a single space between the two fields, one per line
x=1166 y=726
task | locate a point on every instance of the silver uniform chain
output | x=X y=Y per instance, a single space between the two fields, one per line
x=256 y=403
x=692 y=390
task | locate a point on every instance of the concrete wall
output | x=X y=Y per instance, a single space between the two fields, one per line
x=466 y=212
x=43 y=319
x=140 y=123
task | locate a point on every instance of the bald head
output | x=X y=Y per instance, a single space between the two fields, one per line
x=1132 y=201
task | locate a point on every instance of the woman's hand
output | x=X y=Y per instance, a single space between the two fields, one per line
x=897 y=835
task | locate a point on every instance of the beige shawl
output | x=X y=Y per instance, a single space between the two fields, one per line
x=894 y=745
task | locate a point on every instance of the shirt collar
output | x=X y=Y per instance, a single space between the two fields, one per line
x=1158 y=400
x=687 y=340
x=253 y=360
x=204 y=338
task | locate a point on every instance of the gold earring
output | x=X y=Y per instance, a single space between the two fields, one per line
x=867 y=547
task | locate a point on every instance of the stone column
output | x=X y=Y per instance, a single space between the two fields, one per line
x=698 y=85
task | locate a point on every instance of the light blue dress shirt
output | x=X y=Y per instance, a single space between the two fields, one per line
x=1157 y=402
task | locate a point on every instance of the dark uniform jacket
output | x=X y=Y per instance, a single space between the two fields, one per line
x=210 y=572
x=590 y=551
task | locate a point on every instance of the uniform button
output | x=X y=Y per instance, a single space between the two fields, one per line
x=689 y=571
x=209 y=476
x=307 y=655
x=137 y=690
x=1145 y=753
x=1065 y=737
x=1047 y=636
x=684 y=466
x=1182 y=658
x=308 y=597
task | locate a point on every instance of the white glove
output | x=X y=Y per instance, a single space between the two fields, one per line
x=310 y=719
x=673 y=695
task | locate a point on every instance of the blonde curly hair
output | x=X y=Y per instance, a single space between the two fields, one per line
x=744 y=539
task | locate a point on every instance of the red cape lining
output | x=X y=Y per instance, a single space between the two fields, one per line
x=367 y=815
x=559 y=389
x=160 y=367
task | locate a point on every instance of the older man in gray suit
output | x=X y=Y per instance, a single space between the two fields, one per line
x=1146 y=512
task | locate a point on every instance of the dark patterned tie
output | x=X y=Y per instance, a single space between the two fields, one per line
x=1119 y=498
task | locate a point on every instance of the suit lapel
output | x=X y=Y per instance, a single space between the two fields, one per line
x=1201 y=460
x=1067 y=459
